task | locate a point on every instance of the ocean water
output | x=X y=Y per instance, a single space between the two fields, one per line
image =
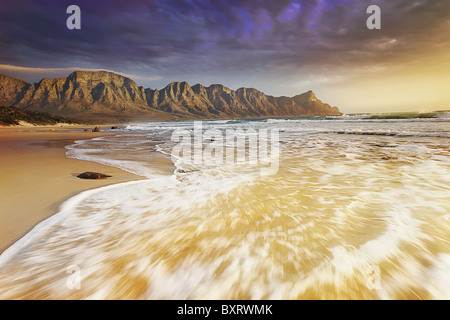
x=356 y=209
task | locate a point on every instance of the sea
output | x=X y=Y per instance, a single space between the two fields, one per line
x=302 y=208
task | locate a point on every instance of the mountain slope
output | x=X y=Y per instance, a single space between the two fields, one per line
x=11 y=89
x=109 y=96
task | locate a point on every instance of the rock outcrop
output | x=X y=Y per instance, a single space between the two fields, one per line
x=106 y=95
x=92 y=175
x=12 y=90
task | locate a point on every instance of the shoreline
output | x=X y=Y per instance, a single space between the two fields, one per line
x=37 y=177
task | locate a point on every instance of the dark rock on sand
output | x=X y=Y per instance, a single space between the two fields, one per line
x=96 y=129
x=92 y=175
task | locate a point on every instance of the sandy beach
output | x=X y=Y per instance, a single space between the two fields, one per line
x=37 y=177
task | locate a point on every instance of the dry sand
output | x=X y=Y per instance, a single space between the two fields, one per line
x=36 y=177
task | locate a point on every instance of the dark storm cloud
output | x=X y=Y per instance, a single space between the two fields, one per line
x=173 y=38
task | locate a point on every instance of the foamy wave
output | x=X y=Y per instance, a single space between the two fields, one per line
x=395 y=133
x=346 y=217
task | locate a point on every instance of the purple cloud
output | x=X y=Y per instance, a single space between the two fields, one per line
x=290 y=12
x=227 y=41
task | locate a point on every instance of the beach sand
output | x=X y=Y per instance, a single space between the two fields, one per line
x=36 y=176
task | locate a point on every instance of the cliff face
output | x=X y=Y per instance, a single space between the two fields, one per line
x=11 y=90
x=106 y=95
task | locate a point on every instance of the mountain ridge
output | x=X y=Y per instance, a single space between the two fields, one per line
x=110 y=96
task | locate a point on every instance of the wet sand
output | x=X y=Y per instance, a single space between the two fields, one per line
x=37 y=177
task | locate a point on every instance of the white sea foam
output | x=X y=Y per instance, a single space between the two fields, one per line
x=40 y=229
x=346 y=216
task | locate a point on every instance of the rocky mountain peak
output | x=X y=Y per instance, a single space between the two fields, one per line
x=199 y=89
x=307 y=96
x=176 y=90
x=5 y=78
x=248 y=91
x=11 y=89
x=87 y=94
x=93 y=78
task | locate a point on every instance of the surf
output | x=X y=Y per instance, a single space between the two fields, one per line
x=344 y=217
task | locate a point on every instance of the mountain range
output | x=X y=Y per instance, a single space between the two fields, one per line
x=108 y=96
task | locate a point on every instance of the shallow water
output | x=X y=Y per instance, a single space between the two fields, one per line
x=358 y=209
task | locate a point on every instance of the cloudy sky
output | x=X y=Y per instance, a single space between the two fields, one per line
x=279 y=47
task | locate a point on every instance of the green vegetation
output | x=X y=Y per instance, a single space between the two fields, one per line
x=404 y=116
x=12 y=116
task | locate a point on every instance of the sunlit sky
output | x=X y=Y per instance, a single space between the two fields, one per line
x=278 y=47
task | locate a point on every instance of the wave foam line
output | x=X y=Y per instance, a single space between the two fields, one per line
x=42 y=227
